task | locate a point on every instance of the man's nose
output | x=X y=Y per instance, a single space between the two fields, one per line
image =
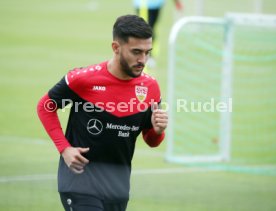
x=143 y=58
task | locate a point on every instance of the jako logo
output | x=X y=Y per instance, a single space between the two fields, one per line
x=99 y=88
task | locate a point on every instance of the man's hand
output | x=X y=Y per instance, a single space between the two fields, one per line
x=74 y=159
x=159 y=119
x=178 y=5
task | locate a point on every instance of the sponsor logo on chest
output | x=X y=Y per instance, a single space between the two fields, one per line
x=141 y=92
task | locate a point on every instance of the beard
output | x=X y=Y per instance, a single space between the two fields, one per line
x=129 y=71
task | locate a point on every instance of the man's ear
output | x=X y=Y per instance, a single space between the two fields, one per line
x=116 y=47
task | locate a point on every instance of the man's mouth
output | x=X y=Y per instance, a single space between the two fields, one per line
x=139 y=66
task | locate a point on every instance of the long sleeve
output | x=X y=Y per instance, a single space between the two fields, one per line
x=152 y=138
x=47 y=112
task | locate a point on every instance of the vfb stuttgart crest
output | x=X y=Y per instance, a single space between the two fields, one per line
x=141 y=92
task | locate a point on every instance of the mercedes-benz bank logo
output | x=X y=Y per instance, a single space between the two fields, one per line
x=94 y=126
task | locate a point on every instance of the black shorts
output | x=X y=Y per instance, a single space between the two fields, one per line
x=84 y=202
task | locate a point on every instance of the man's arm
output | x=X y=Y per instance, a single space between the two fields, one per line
x=47 y=112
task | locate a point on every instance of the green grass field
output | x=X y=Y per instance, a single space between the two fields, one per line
x=40 y=41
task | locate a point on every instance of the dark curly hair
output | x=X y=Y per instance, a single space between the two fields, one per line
x=131 y=26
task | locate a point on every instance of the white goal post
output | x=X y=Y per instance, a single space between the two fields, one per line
x=175 y=131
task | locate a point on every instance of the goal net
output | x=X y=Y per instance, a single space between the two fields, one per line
x=222 y=89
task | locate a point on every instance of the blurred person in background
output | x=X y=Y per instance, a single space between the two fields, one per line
x=112 y=103
x=150 y=10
